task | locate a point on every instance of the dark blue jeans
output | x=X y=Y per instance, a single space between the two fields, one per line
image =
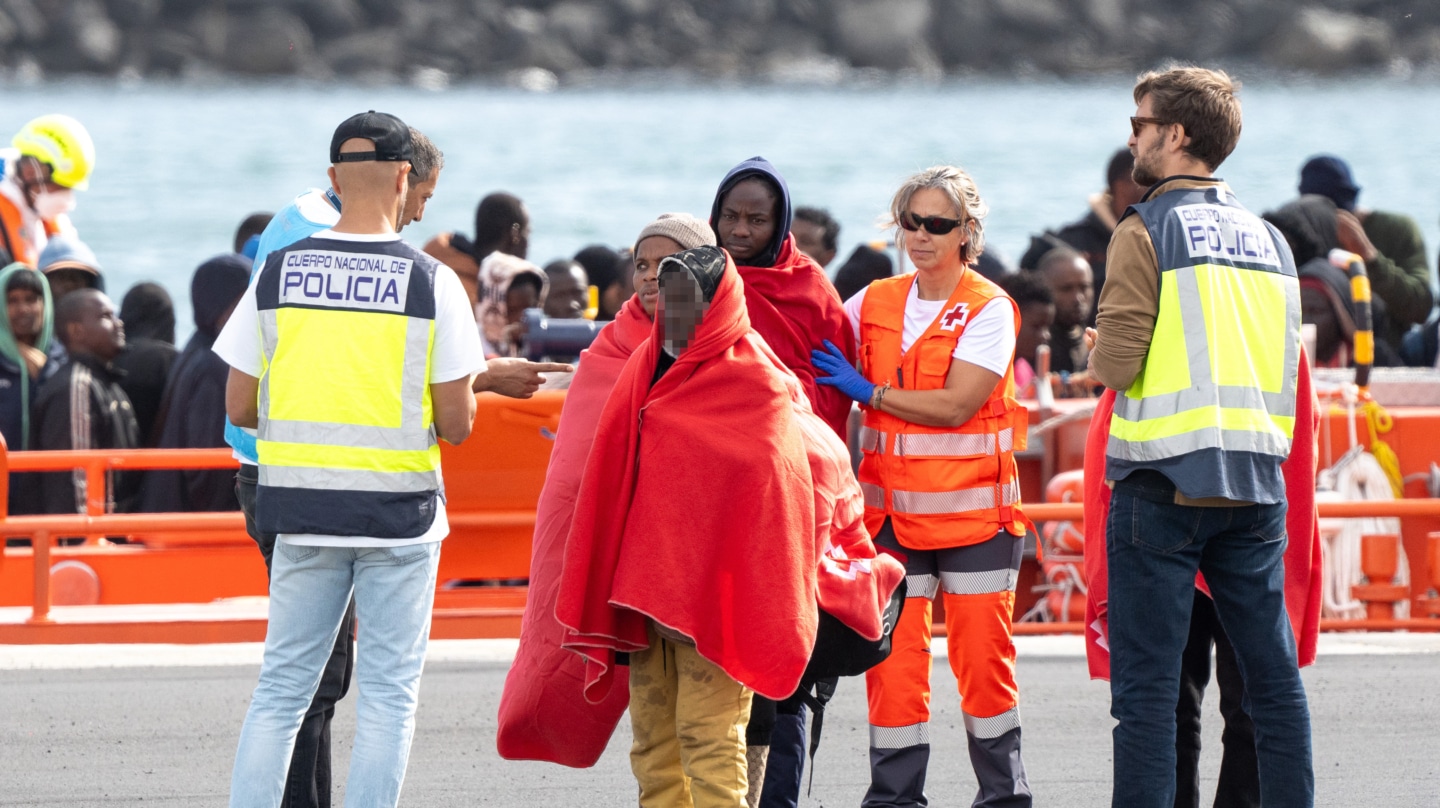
x=1154 y=548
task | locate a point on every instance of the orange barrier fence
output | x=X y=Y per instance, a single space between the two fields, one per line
x=491 y=489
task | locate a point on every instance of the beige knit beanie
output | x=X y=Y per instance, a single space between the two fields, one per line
x=684 y=229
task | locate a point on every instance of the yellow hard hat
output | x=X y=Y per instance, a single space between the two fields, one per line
x=62 y=142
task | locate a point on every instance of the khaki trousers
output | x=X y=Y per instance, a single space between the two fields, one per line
x=689 y=723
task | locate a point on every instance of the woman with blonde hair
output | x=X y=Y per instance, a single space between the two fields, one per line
x=941 y=424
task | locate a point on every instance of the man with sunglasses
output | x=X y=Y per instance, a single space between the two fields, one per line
x=941 y=424
x=51 y=158
x=1199 y=333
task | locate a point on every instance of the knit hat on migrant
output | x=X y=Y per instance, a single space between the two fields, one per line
x=1330 y=176
x=682 y=228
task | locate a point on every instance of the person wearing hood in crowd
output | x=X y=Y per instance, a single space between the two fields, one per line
x=192 y=410
x=502 y=225
x=1390 y=244
x=1090 y=236
x=84 y=407
x=1310 y=227
x=29 y=356
x=747 y=616
x=508 y=286
x=607 y=274
x=69 y=264
x=51 y=158
x=941 y=425
x=149 y=317
x=543 y=712
x=864 y=266
x=793 y=306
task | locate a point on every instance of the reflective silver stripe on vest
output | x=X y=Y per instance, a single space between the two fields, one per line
x=874 y=495
x=978 y=583
x=326 y=434
x=872 y=440
x=899 y=737
x=1230 y=440
x=952 y=444
x=921 y=586
x=992 y=727
x=328 y=479
x=932 y=503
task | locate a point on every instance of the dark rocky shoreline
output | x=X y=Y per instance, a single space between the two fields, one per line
x=539 y=43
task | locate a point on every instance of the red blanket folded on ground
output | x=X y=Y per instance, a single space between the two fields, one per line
x=701 y=517
x=795 y=307
x=543 y=713
x=1302 y=553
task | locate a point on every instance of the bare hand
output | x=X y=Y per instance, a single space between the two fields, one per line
x=35 y=359
x=1090 y=335
x=1351 y=235
x=516 y=378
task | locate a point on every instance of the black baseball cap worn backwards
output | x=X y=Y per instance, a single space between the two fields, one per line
x=389 y=134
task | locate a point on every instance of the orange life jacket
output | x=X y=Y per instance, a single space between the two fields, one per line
x=940 y=486
x=13 y=240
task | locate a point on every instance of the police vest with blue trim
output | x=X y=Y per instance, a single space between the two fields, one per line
x=1213 y=408
x=346 y=437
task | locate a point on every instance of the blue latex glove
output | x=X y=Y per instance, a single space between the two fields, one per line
x=841 y=374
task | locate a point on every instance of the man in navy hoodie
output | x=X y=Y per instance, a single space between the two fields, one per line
x=795 y=308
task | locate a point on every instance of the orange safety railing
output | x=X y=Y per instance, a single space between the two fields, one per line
x=95 y=523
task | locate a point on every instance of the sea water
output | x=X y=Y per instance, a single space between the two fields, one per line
x=179 y=165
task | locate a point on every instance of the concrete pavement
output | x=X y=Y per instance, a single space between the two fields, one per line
x=132 y=725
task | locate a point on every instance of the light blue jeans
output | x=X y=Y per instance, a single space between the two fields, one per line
x=394 y=589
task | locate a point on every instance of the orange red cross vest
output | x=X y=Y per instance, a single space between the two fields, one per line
x=940 y=486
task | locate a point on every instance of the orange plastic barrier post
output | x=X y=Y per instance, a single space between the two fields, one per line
x=1380 y=561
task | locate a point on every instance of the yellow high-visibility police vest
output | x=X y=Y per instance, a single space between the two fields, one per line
x=1213 y=408
x=346 y=438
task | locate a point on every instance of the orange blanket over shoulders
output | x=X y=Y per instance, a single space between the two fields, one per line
x=543 y=714
x=696 y=510
x=1303 y=579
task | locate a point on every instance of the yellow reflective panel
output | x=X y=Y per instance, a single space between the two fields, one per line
x=1166 y=368
x=1245 y=321
x=340 y=367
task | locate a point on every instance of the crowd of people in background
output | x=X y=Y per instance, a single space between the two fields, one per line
x=79 y=373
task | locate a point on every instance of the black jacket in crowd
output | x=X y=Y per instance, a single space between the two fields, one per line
x=84 y=407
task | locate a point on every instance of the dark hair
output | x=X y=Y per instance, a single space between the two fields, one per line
x=562 y=266
x=496 y=214
x=1200 y=100
x=1026 y=287
x=602 y=265
x=864 y=266
x=31 y=281
x=253 y=225
x=148 y=312
x=1061 y=253
x=821 y=218
x=1121 y=164
x=527 y=279
x=71 y=307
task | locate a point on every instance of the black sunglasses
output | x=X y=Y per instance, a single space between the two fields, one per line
x=934 y=225
x=1136 y=124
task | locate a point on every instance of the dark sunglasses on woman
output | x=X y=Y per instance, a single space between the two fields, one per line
x=934 y=225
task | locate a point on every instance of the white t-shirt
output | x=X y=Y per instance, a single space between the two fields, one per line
x=455 y=354
x=988 y=338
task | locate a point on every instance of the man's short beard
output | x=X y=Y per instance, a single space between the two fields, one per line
x=1142 y=175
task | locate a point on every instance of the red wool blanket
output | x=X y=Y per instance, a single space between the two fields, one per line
x=1302 y=553
x=696 y=511
x=794 y=307
x=543 y=714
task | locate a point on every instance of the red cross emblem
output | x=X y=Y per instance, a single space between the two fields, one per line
x=955 y=317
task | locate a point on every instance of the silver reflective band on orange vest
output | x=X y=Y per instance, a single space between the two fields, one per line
x=1214 y=401
x=937 y=503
